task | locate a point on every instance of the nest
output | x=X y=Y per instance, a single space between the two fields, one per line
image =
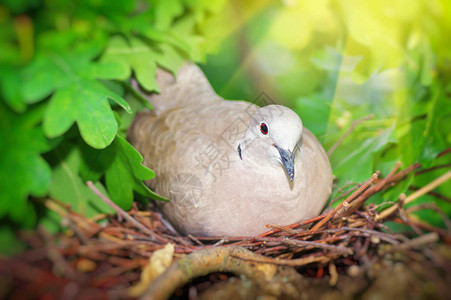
x=347 y=251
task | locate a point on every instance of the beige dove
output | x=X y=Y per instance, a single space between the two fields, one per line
x=228 y=167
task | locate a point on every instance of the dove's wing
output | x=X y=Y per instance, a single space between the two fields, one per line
x=183 y=145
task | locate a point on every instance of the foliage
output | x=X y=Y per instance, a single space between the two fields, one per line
x=65 y=70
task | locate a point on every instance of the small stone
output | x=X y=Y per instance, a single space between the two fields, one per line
x=85 y=265
x=354 y=271
x=375 y=240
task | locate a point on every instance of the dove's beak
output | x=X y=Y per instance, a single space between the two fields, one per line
x=287 y=159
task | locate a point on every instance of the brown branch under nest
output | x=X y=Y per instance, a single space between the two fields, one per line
x=94 y=261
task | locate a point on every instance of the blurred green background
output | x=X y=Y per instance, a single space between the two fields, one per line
x=66 y=99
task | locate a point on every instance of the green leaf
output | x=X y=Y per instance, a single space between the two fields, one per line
x=51 y=221
x=42 y=77
x=166 y=12
x=87 y=104
x=169 y=58
x=123 y=169
x=9 y=244
x=109 y=70
x=126 y=174
x=357 y=166
x=10 y=86
x=137 y=102
x=78 y=96
x=184 y=29
x=422 y=124
x=437 y=123
x=67 y=185
x=21 y=6
x=165 y=37
x=23 y=171
x=314 y=112
x=133 y=55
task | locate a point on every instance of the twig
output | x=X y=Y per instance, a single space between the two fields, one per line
x=389 y=238
x=446 y=166
x=195 y=240
x=63 y=211
x=333 y=274
x=343 y=194
x=445 y=152
x=297 y=262
x=81 y=235
x=206 y=261
x=282 y=228
x=347 y=133
x=294 y=225
x=413 y=221
x=432 y=193
x=329 y=215
x=391 y=174
x=111 y=273
x=422 y=240
x=401 y=174
x=432 y=206
x=106 y=200
x=308 y=244
x=427 y=188
x=381 y=184
x=124 y=214
x=60 y=265
x=220 y=242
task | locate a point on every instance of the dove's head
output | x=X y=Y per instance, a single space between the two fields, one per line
x=272 y=136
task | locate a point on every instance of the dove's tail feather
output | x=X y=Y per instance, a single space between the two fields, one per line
x=189 y=87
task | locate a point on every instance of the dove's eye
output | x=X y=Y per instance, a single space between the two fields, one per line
x=264 y=128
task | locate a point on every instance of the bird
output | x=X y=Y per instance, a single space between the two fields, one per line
x=228 y=167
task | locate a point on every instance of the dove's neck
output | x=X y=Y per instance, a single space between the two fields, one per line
x=260 y=156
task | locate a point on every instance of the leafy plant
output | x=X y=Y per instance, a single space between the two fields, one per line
x=65 y=72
